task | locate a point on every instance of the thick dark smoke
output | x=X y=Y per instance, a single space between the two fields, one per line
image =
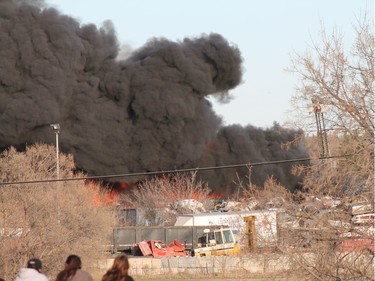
x=147 y=113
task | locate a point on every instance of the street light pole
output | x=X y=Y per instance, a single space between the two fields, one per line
x=56 y=129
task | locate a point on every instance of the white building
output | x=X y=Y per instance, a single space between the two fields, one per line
x=265 y=223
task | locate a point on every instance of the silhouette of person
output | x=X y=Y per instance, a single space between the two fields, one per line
x=119 y=270
x=73 y=271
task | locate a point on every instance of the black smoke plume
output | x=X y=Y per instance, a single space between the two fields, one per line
x=148 y=112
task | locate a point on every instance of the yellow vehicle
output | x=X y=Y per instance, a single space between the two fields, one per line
x=218 y=242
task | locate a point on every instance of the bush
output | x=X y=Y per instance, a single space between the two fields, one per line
x=46 y=219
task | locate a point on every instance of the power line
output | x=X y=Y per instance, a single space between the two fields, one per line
x=175 y=171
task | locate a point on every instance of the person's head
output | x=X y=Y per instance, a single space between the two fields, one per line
x=35 y=264
x=73 y=262
x=121 y=264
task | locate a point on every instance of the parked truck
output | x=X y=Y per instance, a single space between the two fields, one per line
x=253 y=229
x=124 y=239
x=190 y=229
x=218 y=242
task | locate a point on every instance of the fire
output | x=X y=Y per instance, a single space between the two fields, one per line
x=107 y=192
x=213 y=195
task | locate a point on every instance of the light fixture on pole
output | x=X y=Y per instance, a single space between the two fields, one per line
x=56 y=129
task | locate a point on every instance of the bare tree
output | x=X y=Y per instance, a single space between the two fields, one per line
x=162 y=194
x=340 y=85
x=48 y=220
x=337 y=85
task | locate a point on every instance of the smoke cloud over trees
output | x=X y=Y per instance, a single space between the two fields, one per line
x=148 y=112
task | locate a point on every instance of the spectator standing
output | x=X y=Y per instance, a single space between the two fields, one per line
x=119 y=270
x=33 y=272
x=73 y=271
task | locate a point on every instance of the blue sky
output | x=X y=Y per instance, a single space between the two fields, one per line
x=267 y=32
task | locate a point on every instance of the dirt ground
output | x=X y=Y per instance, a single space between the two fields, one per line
x=188 y=277
x=216 y=278
x=220 y=279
